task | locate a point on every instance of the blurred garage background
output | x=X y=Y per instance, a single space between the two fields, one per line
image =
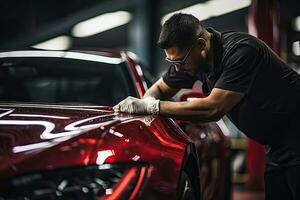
x=134 y=25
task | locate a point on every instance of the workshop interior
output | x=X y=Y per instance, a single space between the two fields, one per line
x=65 y=64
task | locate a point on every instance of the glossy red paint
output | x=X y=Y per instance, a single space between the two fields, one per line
x=122 y=184
x=138 y=143
x=138 y=78
x=39 y=137
x=135 y=142
x=139 y=183
x=212 y=148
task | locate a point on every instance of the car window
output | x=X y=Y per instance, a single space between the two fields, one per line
x=64 y=81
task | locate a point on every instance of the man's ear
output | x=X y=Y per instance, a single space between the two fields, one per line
x=201 y=42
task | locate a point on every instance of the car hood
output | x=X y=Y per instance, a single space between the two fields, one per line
x=38 y=137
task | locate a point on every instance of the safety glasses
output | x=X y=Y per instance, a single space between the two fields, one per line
x=180 y=63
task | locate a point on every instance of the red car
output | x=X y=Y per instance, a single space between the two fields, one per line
x=60 y=139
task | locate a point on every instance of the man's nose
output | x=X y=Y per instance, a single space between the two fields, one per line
x=177 y=68
x=181 y=68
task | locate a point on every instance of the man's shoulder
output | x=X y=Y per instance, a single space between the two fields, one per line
x=236 y=34
x=233 y=41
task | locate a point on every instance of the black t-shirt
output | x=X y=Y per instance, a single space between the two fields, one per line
x=270 y=109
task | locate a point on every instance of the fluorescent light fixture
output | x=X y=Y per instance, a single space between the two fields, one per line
x=101 y=23
x=63 y=54
x=296 y=23
x=296 y=48
x=211 y=8
x=58 y=43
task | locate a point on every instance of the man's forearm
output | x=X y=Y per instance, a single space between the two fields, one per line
x=154 y=92
x=198 y=110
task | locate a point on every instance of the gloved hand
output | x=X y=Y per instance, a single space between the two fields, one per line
x=134 y=105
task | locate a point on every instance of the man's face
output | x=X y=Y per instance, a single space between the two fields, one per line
x=190 y=60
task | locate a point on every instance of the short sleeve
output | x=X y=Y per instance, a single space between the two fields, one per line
x=239 y=70
x=178 y=80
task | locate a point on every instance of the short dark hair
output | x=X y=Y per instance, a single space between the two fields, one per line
x=180 y=31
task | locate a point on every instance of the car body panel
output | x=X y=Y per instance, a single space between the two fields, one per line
x=89 y=136
x=42 y=137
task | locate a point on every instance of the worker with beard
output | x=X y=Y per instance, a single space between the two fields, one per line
x=242 y=79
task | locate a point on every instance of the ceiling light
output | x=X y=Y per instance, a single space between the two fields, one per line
x=296 y=48
x=296 y=24
x=101 y=23
x=58 y=43
x=211 y=8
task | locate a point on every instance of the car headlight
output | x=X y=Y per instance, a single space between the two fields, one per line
x=106 y=181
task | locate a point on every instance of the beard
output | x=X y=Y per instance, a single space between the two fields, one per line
x=202 y=66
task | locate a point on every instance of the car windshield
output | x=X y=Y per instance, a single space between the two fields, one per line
x=64 y=81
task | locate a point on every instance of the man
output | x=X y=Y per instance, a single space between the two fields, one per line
x=245 y=80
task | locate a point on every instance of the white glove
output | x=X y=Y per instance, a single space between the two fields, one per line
x=134 y=105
